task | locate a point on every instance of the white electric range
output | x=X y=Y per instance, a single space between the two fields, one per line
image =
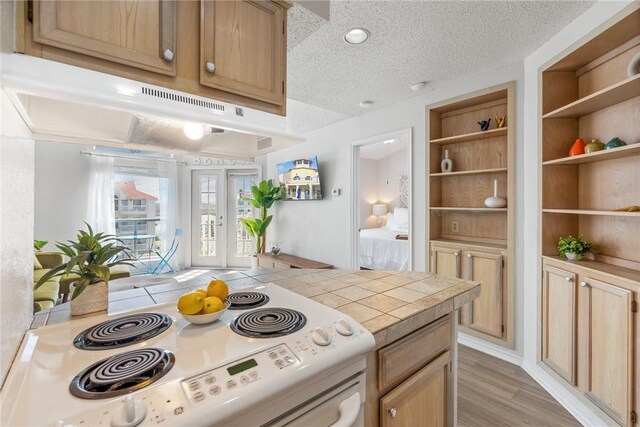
x=273 y=358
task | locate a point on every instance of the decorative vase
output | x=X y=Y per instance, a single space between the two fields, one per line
x=501 y=121
x=446 y=165
x=634 y=65
x=593 y=146
x=614 y=143
x=275 y=247
x=484 y=124
x=573 y=256
x=254 y=262
x=577 y=148
x=93 y=298
x=495 y=201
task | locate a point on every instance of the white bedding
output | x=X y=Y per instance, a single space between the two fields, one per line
x=379 y=250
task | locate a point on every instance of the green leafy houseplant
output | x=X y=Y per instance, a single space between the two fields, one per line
x=572 y=247
x=265 y=194
x=90 y=257
x=39 y=244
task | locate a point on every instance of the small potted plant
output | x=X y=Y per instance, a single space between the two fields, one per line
x=573 y=248
x=90 y=257
x=265 y=194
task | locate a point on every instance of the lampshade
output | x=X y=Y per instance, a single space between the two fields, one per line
x=379 y=209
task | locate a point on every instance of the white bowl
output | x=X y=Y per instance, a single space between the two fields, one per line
x=203 y=319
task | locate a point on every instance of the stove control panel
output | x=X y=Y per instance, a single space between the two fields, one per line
x=243 y=373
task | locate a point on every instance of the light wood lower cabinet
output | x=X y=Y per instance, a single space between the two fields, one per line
x=488 y=316
x=559 y=305
x=422 y=399
x=590 y=335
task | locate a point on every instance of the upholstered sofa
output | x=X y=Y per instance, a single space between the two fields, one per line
x=45 y=296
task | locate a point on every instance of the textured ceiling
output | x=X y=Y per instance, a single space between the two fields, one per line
x=410 y=41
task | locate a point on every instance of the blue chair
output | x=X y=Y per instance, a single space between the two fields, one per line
x=164 y=259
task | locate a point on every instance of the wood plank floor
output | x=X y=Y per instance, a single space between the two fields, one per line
x=492 y=392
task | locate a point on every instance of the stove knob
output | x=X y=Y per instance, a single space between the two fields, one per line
x=321 y=337
x=132 y=413
x=344 y=328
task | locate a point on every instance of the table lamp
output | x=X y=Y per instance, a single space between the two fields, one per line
x=379 y=210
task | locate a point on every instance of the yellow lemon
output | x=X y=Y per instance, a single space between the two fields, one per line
x=202 y=292
x=191 y=303
x=218 y=288
x=212 y=304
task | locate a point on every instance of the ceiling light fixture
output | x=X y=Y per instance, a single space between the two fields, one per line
x=356 y=36
x=193 y=131
x=419 y=86
x=366 y=104
x=389 y=141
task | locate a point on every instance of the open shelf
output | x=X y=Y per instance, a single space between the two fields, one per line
x=601 y=267
x=491 y=133
x=614 y=153
x=471 y=172
x=451 y=208
x=592 y=212
x=612 y=95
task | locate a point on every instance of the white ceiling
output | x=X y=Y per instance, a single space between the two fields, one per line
x=410 y=41
x=378 y=150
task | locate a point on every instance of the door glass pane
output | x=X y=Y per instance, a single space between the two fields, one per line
x=208 y=214
x=242 y=188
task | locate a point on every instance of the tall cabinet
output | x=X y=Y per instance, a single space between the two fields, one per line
x=590 y=327
x=467 y=239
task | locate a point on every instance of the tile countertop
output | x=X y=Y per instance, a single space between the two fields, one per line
x=389 y=304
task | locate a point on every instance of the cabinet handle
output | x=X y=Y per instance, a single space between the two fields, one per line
x=568 y=279
x=210 y=66
x=584 y=284
x=168 y=55
x=458 y=273
x=392 y=412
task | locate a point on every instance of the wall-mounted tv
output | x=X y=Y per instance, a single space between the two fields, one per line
x=300 y=179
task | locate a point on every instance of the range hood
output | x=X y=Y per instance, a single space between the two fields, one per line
x=29 y=80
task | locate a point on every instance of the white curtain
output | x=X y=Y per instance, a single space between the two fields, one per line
x=168 y=172
x=100 y=208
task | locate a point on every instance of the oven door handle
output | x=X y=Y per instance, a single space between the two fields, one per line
x=349 y=409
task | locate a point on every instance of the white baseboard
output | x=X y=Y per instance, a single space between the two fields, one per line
x=489 y=348
x=580 y=411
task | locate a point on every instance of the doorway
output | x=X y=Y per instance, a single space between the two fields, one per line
x=381 y=202
x=218 y=238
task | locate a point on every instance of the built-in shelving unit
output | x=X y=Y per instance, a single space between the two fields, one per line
x=467 y=239
x=589 y=334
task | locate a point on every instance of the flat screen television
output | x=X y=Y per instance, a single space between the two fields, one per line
x=300 y=179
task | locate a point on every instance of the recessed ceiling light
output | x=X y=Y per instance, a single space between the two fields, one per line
x=366 y=104
x=193 y=131
x=419 y=86
x=356 y=36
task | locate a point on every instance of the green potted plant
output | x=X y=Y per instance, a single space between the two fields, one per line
x=90 y=257
x=573 y=248
x=265 y=194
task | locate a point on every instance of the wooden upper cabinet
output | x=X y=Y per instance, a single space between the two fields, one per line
x=608 y=345
x=242 y=48
x=140 y=34
x=559 y=306
x=486 y=312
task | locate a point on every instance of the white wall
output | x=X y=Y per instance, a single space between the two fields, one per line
x=61 y=191
x=16 y=233
x=368 y=183
x=389 y=192
x=590 y=23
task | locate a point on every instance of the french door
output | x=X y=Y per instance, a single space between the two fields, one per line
x=218 y=237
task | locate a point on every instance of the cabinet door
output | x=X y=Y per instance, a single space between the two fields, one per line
x=242 y=48
x=486 y=312
x=445 y=261
x=608 y=347
x=422 y=399
x=559 y=321
x=138 y=33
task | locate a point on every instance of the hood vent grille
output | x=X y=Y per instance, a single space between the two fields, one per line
x=181 y=98
x=264 y=143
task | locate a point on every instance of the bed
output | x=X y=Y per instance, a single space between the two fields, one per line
x=380 y=250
